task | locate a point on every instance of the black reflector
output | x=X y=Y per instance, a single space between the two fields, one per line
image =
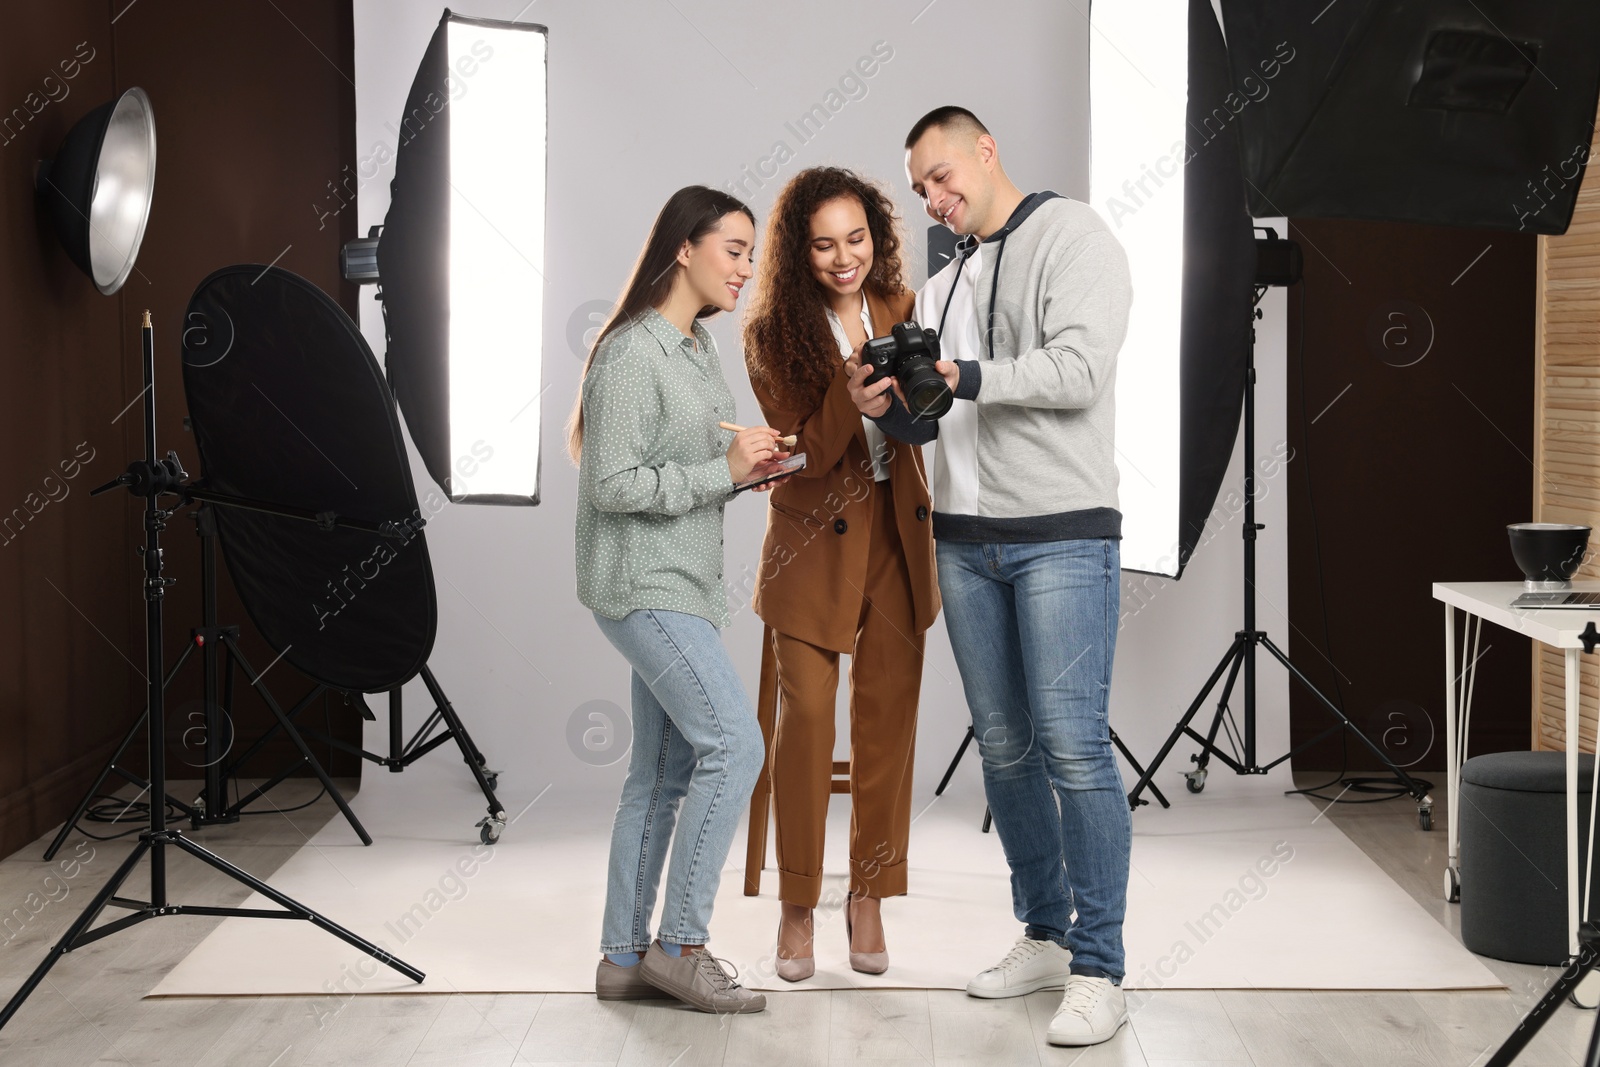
x=290 y=408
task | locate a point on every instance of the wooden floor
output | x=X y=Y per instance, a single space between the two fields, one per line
x=89 y=1010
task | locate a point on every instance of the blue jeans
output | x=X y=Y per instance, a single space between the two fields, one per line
x=1034 y=629
x=697 y=751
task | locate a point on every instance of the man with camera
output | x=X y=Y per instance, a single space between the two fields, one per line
x=1030 y=316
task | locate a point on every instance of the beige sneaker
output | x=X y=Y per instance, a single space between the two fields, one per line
x=615 y=982
x=697 y=979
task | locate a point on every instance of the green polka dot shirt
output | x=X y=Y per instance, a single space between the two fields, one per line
x=653 y=479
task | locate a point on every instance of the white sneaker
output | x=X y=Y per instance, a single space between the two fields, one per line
x=1029 y=966
x=1091 y=1011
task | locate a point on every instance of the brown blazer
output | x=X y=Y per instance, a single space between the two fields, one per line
x=814 y=558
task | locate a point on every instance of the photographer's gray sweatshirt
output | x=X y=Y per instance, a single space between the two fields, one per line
x=1026 y=452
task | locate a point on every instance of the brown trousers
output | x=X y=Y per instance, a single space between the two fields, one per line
x=885 y=682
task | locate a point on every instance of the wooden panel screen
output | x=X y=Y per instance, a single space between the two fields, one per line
x=1567 y=434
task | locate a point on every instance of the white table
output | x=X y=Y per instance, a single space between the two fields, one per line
x=1557 y=627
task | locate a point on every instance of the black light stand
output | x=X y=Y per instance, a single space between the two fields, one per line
x=403 y=751
x=1578 y=968
x=152 y=478
x=211 y=807
x=1278 y=263
x=988 y=816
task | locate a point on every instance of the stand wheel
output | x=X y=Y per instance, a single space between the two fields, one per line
x=490 y=829
x=1196 y=780
x=1425 y=818
x=493 y=778
x=1452 y=885
x=1586 y=994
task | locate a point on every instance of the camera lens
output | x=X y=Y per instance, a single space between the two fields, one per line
x=926 y=392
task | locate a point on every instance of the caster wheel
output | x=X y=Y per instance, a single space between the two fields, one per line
x=1196 y=780
x=1587 y=994
x=1425 y=818
x=493 y=780
x=1452 y=885
x=489 y=829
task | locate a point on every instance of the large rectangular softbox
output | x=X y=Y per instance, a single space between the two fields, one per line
x=1451 y=112
x=461 y=259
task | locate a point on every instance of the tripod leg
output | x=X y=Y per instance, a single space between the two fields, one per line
x=70 y=938
x=1122 y=748
x=962 y=751
x=290 y=904
x=469 y=753
x=1234 y=650
x=1410 y=783
x=300 y=743
x=88 y=798
x=232 y=769
x=1222 y=715
x=1541 y=1012
x=111 y=765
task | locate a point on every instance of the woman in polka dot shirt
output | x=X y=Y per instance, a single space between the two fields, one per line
x=654 y=474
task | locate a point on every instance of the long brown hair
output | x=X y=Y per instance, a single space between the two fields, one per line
x=788 y=347
x=688 y=215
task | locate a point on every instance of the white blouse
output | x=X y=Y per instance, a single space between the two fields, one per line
x=875 y=441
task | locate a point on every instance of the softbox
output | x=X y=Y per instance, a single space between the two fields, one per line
x=461 y=255
x=289 y=409
x=1219 y=259
x=1176 y=202
x=1450 y=112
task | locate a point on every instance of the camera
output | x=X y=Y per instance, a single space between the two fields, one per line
x=909 y=353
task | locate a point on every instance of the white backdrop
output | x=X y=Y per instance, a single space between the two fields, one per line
x=651 y=95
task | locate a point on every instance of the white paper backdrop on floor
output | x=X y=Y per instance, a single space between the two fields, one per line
x=1239 y=887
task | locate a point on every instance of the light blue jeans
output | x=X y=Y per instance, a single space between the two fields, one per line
x=1034 y=629
x=697 y=752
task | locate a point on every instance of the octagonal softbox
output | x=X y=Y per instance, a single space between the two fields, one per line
x=289 y=409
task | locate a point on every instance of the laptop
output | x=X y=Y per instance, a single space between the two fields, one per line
x=1568 y=599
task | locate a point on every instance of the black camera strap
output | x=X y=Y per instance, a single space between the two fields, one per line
x=969 y=244
x=965 y=247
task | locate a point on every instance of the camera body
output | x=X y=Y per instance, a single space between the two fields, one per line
x=909 y=353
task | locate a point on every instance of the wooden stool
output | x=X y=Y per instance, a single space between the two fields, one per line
x=755 y=859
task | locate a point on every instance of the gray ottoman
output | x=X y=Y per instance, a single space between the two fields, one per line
x=1514 y=853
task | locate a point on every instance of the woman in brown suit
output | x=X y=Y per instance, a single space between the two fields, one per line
x=847 y=565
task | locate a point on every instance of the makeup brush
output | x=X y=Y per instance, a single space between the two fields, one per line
x=787 y=441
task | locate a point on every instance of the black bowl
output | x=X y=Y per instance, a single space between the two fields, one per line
x=1548 y=552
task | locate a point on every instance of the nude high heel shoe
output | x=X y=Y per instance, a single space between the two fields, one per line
x=797 y=968
x=863 y=962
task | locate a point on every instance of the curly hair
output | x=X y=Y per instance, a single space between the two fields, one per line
x=788 y=347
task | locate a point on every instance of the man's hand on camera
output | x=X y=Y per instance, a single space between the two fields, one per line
x=871 y=400
x=950 y=372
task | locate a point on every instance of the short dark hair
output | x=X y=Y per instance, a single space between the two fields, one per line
x=945 y=118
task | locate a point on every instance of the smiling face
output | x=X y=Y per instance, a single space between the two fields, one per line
x=717 y=266
x=841 y=246
x=954 y=174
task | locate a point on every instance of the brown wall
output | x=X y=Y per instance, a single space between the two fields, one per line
x=1416 y=471
x=255 y=115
